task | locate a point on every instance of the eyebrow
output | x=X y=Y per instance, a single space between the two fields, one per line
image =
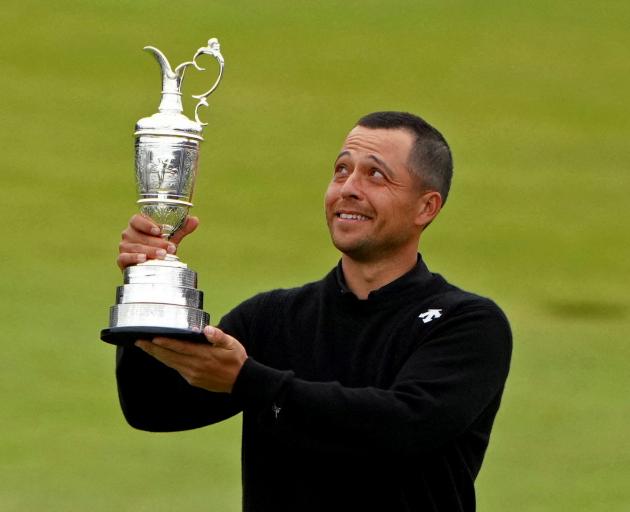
x=376 y=159
x=382 y=164
x=343 y=153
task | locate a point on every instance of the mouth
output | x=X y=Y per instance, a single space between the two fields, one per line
x=351 y=216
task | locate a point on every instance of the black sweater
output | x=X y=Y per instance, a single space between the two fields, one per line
x=348 y=404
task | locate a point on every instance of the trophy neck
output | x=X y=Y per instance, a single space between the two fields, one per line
x=171 y=103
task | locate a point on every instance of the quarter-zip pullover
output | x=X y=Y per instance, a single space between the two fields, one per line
x=378 y=404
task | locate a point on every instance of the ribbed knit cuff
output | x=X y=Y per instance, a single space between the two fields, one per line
x=258 y=385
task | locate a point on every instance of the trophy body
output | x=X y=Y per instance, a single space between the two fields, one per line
x=160 y=297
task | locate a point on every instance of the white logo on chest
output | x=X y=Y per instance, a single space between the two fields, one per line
x=430 y=315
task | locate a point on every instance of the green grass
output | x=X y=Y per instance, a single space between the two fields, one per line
x=534 y=102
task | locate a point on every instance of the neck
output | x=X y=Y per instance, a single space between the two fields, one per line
x=363 y=277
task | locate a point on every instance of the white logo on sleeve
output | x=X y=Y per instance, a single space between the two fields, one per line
x=430 y=314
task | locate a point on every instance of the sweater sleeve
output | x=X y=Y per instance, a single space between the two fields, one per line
x=156 y=398
x=441 y=390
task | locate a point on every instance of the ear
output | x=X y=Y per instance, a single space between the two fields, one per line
x=429 y=205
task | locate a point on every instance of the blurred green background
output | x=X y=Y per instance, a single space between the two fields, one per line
x=533 y=98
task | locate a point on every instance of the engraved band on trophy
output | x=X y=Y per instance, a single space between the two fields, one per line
x=160 y=297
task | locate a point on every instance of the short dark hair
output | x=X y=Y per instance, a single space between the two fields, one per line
x=430 y=157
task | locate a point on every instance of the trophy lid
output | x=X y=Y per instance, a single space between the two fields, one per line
x=170 y=119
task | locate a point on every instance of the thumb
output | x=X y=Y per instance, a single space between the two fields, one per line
x=217 y=337
x=189 y=226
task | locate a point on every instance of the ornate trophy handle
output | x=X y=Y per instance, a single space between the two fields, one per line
x=213 y=49
x=172 y=78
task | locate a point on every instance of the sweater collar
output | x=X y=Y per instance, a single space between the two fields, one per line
x=418 y=276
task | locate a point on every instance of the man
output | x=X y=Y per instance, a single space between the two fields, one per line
x=372 y=389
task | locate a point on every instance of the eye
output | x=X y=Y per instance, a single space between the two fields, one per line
x=376 y=173
x=341 y=171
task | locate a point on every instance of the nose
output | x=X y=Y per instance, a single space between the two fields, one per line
x=351 y=187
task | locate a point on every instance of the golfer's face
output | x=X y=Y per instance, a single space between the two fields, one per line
x=372 y=200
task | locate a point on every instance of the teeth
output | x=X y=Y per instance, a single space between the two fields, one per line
x=352 y=216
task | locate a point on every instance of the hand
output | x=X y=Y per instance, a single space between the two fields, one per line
x=141 y=240
x=213 y=366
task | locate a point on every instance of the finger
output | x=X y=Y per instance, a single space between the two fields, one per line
x=170 y=358
x=132 y=235
x=178 y=346
x=217 y=337
x=143 y=344
x=188 y=227
x=126 y=260
x=144 y=224
x=149 y=250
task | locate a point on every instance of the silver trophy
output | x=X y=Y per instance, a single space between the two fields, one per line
x=160 y=297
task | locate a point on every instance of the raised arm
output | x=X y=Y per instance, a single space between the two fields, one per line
x=153 y=396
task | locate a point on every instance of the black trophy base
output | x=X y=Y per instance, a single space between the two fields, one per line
x=128 y=335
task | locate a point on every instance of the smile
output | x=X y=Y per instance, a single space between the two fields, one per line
x=352 y=216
